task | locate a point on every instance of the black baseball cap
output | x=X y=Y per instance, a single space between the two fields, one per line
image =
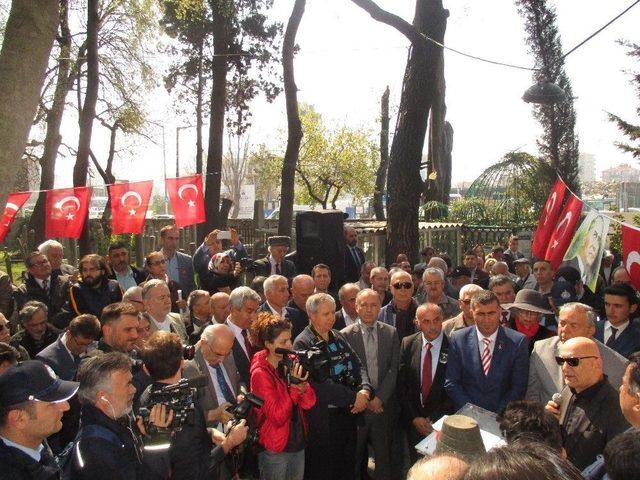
x=568 y=274
x=33 y=380
x=460 y=271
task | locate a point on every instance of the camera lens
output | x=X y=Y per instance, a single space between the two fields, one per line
x=188 y=352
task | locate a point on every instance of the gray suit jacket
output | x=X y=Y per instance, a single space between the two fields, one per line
x=198 y=366
x=545 y=375
x=58 y=358
x=177 y=326
x=388 y=356
x=185 y=268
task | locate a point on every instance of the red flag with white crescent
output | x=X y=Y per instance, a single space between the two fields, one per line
x=129 y=202
x=14 y=203
x=563 y=231
x=66 y=211
x=548 y=219
x=187 y=200
x=631 y=253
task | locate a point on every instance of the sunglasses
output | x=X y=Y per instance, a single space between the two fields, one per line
x=571 y=361
x=405 y=285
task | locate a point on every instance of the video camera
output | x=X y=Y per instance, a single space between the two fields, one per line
x=241 y=411
x=178 y=397
x=315 y=360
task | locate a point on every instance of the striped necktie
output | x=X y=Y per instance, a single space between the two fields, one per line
x=486 y=356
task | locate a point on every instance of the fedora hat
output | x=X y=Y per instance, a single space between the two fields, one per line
x=460 y=435
x=531 y=300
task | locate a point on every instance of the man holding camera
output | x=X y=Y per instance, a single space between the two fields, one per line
x=191 y=453
x=330 y=452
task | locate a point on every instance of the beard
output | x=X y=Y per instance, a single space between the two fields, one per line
x=92 y=282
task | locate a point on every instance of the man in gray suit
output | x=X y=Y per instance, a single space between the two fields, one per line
x=545 y=375
x=179 y=265
x=213 y=359
x=63 y=355
x=378 y=347
x=156 y=298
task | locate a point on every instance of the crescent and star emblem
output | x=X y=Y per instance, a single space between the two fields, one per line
x=60 y=204
x=550 y=205
x=188 y=186
x=565 y=221
x=135 y=195
x=633 y=257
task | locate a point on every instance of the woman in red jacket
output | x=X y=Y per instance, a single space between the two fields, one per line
x=282 y=426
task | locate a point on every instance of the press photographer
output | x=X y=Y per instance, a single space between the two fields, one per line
x=283 y=386
x=188 y=449
x=330 y=451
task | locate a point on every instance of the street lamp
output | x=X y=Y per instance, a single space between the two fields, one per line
x=545 y=93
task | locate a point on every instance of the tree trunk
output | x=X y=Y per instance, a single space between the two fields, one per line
x=219 y=69
x=107 y=176
x=29 y=34
x=88 y=113
x=53 y=121
x=199 y=103
x=381 y=174
x=294 y=126
x=440 y=145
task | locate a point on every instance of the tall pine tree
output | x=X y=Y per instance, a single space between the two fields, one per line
x=559 y=143
x=631 y=131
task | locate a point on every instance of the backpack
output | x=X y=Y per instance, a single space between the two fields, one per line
x=64 y=458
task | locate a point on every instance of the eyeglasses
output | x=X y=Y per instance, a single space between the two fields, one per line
x=41 y=263
x=158 y=262
x=571 y=361
x=405 y=285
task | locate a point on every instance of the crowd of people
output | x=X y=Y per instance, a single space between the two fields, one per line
x=268 y=373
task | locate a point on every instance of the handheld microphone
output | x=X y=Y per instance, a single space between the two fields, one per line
x=556 y=398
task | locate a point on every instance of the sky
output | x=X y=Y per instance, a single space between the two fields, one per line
x=346 y=60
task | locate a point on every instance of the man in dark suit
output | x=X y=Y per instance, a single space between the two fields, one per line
x=423 y=361
x=618 y=331
x=125 y=274
x=353 y=255
x=244 y=303
x=179 y=265
x=275 y=263
x=378 y=347
x=36 y=333
x=214 y=360
x=302 y=288
x=488 y=364
x=348 y=314
x=276 y=291
x=478 y=276
x=63 y=355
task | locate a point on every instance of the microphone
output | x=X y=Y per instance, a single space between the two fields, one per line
x=556 y=398
x=283 y=351
x=198 y=382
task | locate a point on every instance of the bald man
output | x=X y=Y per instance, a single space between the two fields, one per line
x=302 y=287
x=220 y=308
x=440 y=467
x=401 y=310
x=589 y=411
x=213 y=359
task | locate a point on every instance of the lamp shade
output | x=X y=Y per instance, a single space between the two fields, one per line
x=545 y=93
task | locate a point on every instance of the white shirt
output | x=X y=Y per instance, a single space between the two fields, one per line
x=608 y=331
x=163 y=326
x=282 y=313
x=492 y=344
x=273 y=266
x=39 y=282
x=216 y=386
x=64 y=340
x=347 y=319
x=237 y=332
x=436 y=346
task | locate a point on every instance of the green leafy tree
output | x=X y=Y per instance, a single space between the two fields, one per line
x=631 y=131
x=264 y=170
x=333 y=162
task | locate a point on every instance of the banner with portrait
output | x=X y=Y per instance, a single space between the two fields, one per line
x=587 y=247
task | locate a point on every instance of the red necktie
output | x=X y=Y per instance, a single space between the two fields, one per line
x=247 y=344
x=425 y=388
x=278 y=269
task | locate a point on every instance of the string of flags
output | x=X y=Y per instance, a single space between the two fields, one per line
x=66 y=209
x=558 y=238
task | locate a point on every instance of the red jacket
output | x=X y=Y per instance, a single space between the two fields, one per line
x=274 y=417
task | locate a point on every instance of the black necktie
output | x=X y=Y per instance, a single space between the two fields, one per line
x=612 y=338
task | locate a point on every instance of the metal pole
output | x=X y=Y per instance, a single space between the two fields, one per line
x=178 y=151
x=164 y=167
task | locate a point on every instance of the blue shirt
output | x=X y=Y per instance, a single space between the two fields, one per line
x=126 y=281
x=172 y=268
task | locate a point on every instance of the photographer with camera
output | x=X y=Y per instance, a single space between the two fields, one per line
x=283 y=386
x=342 y=388
x=189 y=451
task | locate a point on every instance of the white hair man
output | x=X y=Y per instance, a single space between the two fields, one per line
x=54 y=251
x=465 y=317
x=276 y=291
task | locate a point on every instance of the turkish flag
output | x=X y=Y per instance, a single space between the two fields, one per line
x=563 y=231
x=129 y=202
x=630 y=255
x=187 y=200
x=14 y=203
x=66 y=211
x=548 y=219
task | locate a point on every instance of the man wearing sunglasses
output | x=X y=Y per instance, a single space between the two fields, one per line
x=589 y=410
x=401 y=310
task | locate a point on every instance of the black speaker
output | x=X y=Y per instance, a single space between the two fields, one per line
x=320 y=239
